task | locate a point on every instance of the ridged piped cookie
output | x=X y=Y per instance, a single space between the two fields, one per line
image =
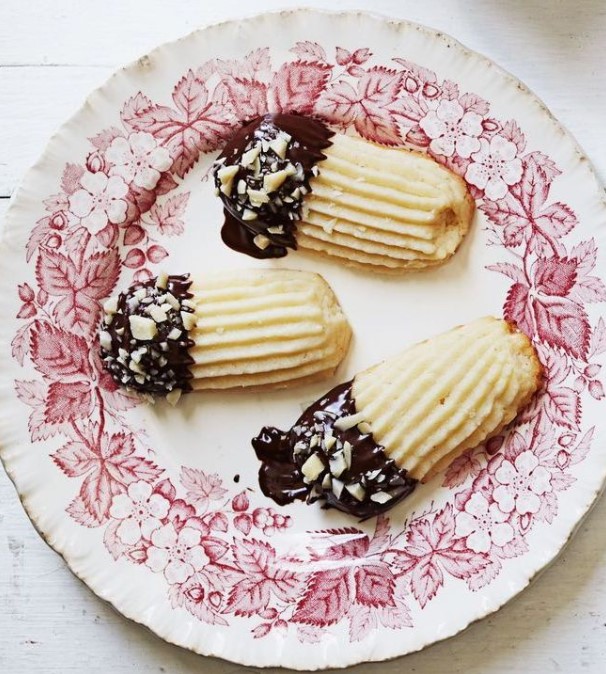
x=288 y=181
x=366 y=444
x=265 y=328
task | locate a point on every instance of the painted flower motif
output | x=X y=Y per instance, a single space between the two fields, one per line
x=178 y=554
x=495 y=167
x=138 y=159
x=483 y=524
x=141 y=512
x=521 y=483
x=100 y=199
x=452 y=130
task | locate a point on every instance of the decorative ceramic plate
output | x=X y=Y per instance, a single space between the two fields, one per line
x=158 y=509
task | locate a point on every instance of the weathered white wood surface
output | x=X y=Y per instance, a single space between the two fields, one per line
x=52 y=53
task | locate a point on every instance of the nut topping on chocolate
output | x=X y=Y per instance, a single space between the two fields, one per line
x=144 y=336
x=262 y=177
x=330 y=454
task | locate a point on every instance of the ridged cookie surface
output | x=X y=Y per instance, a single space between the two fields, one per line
x=288 y=181
x=447 y=394
x=171 y=334
x=387 y=209
x=262 y=328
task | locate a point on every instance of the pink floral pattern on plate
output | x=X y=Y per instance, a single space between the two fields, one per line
x=213 y=548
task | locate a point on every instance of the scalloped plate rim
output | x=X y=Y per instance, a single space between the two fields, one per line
x=20 y=200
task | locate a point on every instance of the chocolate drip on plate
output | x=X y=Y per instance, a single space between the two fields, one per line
x=351 y=472
x=262 y=177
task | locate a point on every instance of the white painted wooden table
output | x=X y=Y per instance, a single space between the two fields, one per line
x=52 y=53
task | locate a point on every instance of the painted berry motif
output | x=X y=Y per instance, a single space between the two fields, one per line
x=221 y=555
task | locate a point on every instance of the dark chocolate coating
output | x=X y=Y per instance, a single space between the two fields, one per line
x=309 y=138
x=166 y=362
x=280 y=474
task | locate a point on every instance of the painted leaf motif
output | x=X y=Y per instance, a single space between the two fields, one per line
x=549 y=507
x=249 y=596
x=122 y=462
x=579 y=453
x=462 y=563
x=202 y=488
x=381 y=537
x=515 y=444
x=198 y=124
x=585 y=253
x=79 y=512
x=517 y=308
x=20 y=344
x=555 y=275
x=112 y=542
x=561 y=481
x=70 y=180
x=80 y=289
x=361 y=622
x=38 y=234
x=514 y=272
x=165 y=185
x=103 y=139
x=55 y=273
x=133 y=235
x=214 y=548
x=168 y=216
x=255 y=557
x=509 y=214
x=426 y=580
x=343 y=56
x=512 y=132
x=562 y=406
x=443 y=528
x=556 y=220
x=598 y=339
x=589 y=289
x=75 y=459
x=32 y=393
x=247 y=97
x=395 y=617
x=377 y=91
x=339 y=104
x=354 y=546
x=297 y=85
x=421 y=74
x=461 y=469
x=374 y=585
x=410 y=108
x=360 y=56
x=285 y=584
x=562 y=324
x=261 y=630
x=309 y=51
x=259 y=62
x=485 y=575
x=328 y=598
x=97 y=492
x=58 y=354
x=515 y=548
x=533 y=189
x=68 y=401
x=473 y=103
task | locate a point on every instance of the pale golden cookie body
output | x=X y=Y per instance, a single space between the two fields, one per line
x=265 y=328
x=385 y=209
x=448 y=394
